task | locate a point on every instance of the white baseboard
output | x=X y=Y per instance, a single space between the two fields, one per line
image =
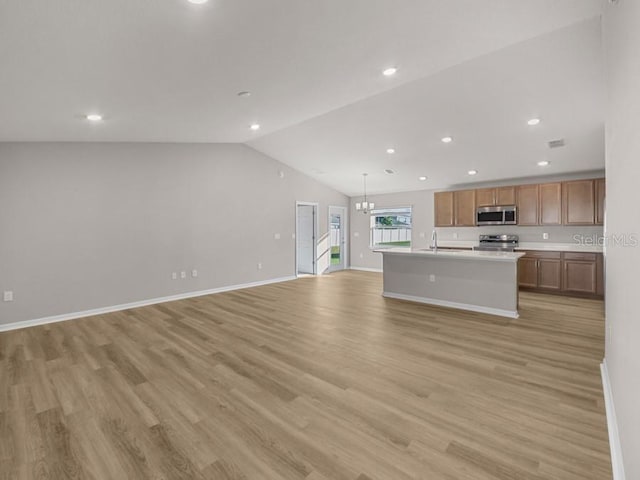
x=141 y=303
x=446 y=303
x=612 y=425
x=364 y=269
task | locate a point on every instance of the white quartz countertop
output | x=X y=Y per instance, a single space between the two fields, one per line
x=453 y=254
x=542 y=246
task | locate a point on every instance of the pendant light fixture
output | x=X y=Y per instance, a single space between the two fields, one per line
x=364 y=206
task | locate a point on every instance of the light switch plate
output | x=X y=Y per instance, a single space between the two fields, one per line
x=8 y=296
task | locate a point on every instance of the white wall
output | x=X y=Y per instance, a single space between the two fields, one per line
x=86 y=225
x=422 y=223
x=622 y=52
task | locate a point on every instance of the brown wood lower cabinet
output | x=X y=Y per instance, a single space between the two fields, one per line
x=528 y=272
x=550 y=273
x=568 y=273
x=579 y=274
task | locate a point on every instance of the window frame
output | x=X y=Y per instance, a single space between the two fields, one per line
x=396 y=210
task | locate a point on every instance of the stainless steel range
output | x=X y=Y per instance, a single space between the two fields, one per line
x=497 y=243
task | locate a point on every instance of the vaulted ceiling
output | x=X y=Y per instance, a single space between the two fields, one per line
x=170 y=71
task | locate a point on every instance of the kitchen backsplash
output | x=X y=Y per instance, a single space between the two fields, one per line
x=557 y=234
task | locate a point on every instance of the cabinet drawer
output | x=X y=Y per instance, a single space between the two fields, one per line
x=543 y=254
x=587 y=257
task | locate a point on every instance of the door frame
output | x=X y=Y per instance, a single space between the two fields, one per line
x=316 y=228
x=344 y=233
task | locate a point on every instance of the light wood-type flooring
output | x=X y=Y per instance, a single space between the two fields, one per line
x=318 y=378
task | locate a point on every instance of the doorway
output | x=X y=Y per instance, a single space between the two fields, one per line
x=306 y=234
x=338 y=238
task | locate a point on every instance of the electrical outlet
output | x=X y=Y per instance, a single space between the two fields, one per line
x=8 y=296
x=545 y=236
x=174 y=276
x=455 y=236
x=276 y=236
x=293 y=236
x=194 y=273
x=183 y=275
x=423 y=235
x=356 y=234
x=432 y=278
x=259 y=265
x=362 y=255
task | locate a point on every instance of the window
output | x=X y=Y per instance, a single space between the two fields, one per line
x=391 y=227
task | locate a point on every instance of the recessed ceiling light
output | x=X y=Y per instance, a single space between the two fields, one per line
x=543 y=163
x=388 y=171
x=198 y=2
x=244 y=93
x=387 y=72
x=533 y=122
x=472 y=172
x=422 y=179
x=447 y=139
x=94 y=117
x=391 y=150
x=254 y=126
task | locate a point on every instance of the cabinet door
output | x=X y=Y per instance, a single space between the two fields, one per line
x=528 y=272
x=579 y=202
x=465 y=208
x=580 y=276
x=550 y=204
x=600 y=274
x=550 y=274
x=486 y=197
x=443 y=206
x=600 y=194
x=527 y=203
x=506 y=196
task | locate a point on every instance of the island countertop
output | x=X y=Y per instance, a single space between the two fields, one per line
x=454 y=254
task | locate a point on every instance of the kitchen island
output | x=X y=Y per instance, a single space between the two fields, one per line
x=484 y=282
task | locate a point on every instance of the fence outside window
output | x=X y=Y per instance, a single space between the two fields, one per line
x=391 y=227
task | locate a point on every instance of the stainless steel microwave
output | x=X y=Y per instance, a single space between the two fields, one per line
x=504 y=215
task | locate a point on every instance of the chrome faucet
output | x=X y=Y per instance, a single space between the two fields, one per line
x=434 y=241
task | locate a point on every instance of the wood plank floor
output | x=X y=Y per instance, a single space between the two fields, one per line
x=318 y=378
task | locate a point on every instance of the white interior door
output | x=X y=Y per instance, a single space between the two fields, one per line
x=306 y=239
x=337 y=238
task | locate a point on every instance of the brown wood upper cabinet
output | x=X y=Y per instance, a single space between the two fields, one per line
x=579 y=202
x=600 y=194
x=550 y=211
x=443 y=202
x=465 y=208
x=488 y=197
x=506 y=196
x=527 y=203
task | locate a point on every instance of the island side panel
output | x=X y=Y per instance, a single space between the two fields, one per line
x=486 y=284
